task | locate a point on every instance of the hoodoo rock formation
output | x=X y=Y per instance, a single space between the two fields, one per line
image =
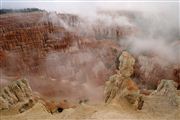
x=43 y=50
x=72 y=63
x=47 y=46
x=70 y=56
x=120 y=89
x=121 y=86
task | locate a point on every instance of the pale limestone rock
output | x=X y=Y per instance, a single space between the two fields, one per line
x=27 y=105
x=120 y=85
x=3 y=104
x=126 y=64
x=167 y=88
x=17 y=91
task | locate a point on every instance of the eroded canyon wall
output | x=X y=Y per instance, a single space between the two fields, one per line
x=70 y=56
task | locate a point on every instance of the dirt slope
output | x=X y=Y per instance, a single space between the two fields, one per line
x=152 y=110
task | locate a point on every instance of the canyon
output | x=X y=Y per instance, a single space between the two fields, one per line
x=70 y=57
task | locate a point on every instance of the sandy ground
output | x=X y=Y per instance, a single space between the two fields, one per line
x=154 y=109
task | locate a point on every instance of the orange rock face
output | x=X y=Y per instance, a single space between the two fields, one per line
x=53 y=106
x=64 y=104
x=68 y=61
x=149 y=71
x=132 y=86
x=121 y=85
x=35 y=46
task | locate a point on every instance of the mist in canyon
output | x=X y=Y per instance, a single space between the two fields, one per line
x=99 y=33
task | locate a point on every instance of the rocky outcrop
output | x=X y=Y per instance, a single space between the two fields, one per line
x=17 y=91
x=164 y=99
x=30 y=43
x=27 y=105
x=126 y=64
x=121 y=86
x=167 y=88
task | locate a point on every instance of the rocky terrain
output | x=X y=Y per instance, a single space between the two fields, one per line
x=81 y=68
x=123 y=101
x=36 y=47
